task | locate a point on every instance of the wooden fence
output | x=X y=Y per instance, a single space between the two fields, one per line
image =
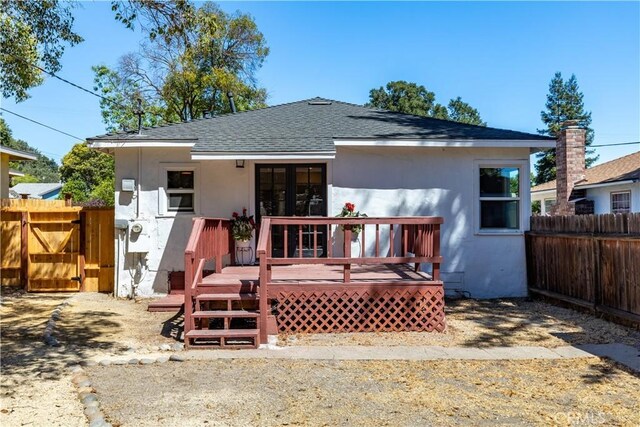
x=591 y=261
x=48 y=246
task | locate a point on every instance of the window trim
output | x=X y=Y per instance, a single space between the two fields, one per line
x=615 y=193
x=524 y=198
x=543 y=209
x=164 y=191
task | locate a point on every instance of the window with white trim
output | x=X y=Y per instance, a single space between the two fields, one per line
x=548 y=206
x=621 y=202
x=499 y=193
x=180 y=190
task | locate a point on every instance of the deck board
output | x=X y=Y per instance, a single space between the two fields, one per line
x=307 y=274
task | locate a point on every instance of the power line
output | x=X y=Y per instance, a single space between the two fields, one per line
x=42 y=124
x=614 y=144
x=77 y=86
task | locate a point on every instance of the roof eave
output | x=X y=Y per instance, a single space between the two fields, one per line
x=263 y=155
x=17 y=154
x=533 y=144
x=141 y=143
x=588 y=186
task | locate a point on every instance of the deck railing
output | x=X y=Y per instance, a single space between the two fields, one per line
x=210 y=238
x=419 y=242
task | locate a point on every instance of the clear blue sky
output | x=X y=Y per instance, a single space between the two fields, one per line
x=499 y=57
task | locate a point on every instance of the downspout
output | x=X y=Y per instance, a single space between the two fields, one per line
x=139 y=188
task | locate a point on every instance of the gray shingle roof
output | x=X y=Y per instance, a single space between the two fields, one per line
x=312 y=125
x=36 y=190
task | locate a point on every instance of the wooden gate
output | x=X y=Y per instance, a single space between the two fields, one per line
x=54 y=249
x=48 y=246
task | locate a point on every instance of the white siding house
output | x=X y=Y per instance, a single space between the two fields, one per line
x=268 y=160
x=612 y=187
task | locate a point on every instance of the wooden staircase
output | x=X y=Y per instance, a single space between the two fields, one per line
x=221 y=313
x=223 y=320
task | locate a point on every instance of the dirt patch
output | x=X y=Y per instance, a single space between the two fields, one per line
x=288 y=392
x=35 y=384
x=489 y=323
x=111 y=325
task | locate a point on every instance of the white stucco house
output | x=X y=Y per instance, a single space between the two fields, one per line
x=326 y=153
x=611 y=187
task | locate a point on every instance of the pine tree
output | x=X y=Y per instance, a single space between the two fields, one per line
x=564 y=102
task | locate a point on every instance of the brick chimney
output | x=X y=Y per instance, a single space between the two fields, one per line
x=569 y=165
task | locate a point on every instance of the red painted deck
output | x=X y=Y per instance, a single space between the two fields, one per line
x=380 y=288
x=309 y=275
x=172 y=302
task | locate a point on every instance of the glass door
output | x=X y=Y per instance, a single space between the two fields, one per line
x=293 y=190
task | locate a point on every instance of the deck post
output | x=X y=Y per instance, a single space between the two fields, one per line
x=436 y=251
x=347 y=253
x=264 y=306
x=188 y=303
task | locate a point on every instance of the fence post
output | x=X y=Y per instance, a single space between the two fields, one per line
x=24 y=250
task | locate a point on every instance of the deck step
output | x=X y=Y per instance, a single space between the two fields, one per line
x=225 y=313
x=222 y=333
x=227 y=297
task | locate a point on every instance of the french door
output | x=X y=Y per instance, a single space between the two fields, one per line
x=293 y=190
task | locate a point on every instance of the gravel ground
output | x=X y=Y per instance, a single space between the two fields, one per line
x=35 y=387
x=489 y=323
x=342 y=393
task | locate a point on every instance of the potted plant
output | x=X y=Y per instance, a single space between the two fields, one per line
x=242 y=227
x=349 y=211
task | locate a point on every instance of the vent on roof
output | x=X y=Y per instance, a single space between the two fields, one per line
x=319 y=102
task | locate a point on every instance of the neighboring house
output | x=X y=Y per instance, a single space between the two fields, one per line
x=6 y=155
x=611 y=187
x=326 y=153
x=45 y=191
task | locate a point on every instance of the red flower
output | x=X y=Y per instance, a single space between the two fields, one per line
x=235 y=215
x=350 y=206
x=252 y=222
x=244 y=211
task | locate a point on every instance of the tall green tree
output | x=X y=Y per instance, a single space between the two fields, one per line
x=407 y=97
x=411 y=98
x=88 y=175
x=32 y=34
x=43 y=169
x=564 y=102
x=460 y=111
x=35 y=33
x=181 y=75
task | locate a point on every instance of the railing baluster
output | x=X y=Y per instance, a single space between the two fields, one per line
x=377 y=240
x=362 y=233
x=299 y=240
x=405 y=237
x=329 y=244
x=286 y=241
x=391 y=245
x=315 y=240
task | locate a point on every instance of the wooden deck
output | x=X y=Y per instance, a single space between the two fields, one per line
x=380 y=288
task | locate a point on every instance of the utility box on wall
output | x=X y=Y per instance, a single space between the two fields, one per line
x=139 y=236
